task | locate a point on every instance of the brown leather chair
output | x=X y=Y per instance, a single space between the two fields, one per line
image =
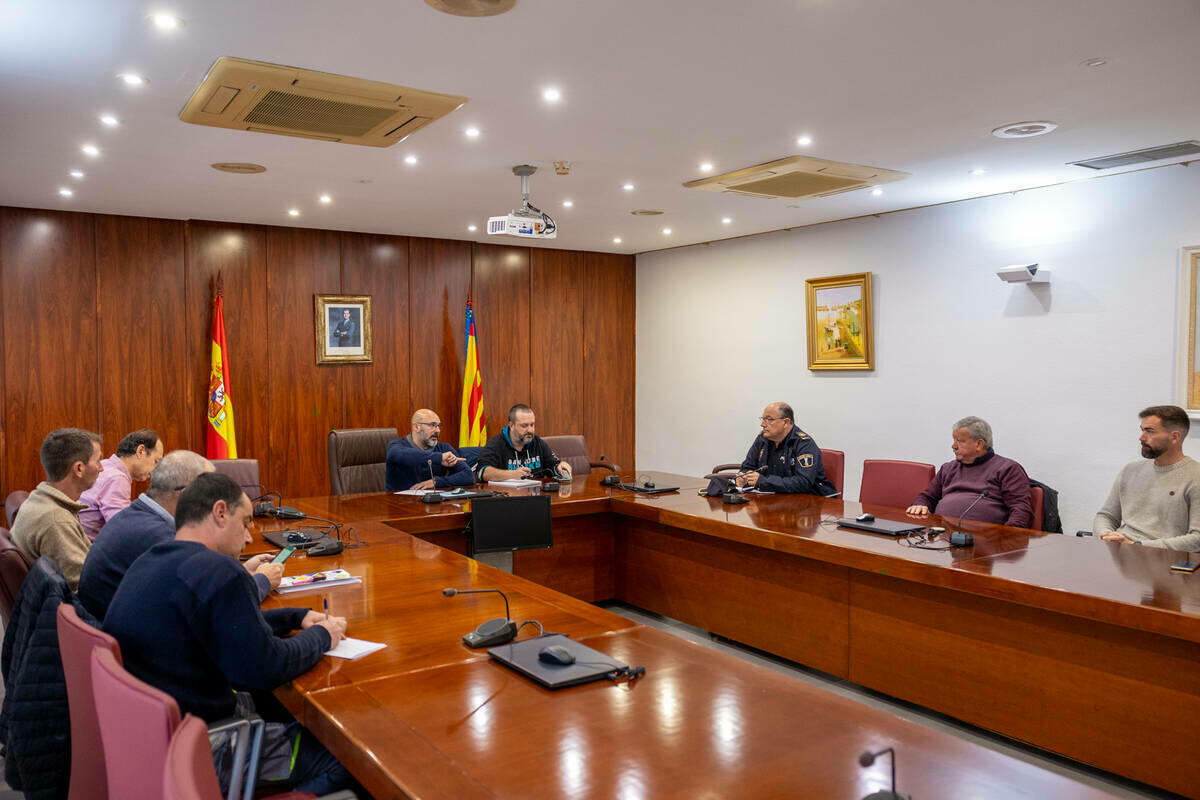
x=13 y=502
x=573 y=450
x=14 y=566
x=244 y=471
x=358 y=459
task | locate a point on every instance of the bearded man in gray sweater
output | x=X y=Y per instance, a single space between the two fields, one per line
x=1156 y=502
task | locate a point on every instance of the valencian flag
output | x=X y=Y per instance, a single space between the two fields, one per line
x=219 y=438
x=472 y=429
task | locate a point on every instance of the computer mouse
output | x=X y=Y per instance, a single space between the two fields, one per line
x=648 y=484
x=865 y=518
x=556 y=654
x=431 y=497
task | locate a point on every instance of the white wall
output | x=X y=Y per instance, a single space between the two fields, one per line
x=1060 y=372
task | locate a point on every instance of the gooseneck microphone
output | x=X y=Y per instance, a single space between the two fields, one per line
x=958 y=538
x=494 y=631
x=867 y=759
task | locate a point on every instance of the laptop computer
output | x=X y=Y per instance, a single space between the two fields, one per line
x=642 y=488
x=885 y=526
x=522 y=656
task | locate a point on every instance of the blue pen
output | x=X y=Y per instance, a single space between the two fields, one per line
x=326 y=605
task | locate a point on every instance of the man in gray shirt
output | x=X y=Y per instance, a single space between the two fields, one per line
x=1156 y=503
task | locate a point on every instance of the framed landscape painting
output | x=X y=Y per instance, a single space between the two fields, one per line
x=841 y=331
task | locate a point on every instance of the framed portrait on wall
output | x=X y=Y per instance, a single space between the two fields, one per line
x=841 y=330
x=343 y=325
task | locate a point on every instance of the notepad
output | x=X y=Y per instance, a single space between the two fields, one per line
x=353 y=649
x=516 y=483
x=316 y=580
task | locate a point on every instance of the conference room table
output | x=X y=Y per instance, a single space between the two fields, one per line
x=1078 y=646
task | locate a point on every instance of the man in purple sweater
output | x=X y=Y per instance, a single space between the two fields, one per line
x=997 y=486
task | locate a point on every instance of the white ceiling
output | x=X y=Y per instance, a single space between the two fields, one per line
x=651 y=88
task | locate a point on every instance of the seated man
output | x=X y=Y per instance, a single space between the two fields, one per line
x=137 y=455
x=48 y=524
x=188 y=621
x=784 y=458
x=145 y=522
x=1155 y=503
x=516 y=451
x=420 y=461
x=992 y=487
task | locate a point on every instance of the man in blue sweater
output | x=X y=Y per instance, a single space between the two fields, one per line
x=421 y=461
x=188 y=620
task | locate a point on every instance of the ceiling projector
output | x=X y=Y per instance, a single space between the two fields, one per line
x=526 y=222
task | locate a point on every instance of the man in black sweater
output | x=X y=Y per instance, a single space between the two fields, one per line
x=188 y=620
x=517 y=452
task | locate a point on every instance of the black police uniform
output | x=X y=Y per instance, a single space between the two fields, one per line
x=792 y=466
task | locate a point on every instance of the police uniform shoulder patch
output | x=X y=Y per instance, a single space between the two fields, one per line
x=806 y=460
x=802 y=434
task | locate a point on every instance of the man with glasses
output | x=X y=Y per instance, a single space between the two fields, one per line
x=420 y=461
x=784 y=458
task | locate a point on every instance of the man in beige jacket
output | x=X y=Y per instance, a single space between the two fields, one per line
x=48 y=524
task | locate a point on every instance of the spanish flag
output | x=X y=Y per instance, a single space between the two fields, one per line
x=219 y=438
x=472 y=429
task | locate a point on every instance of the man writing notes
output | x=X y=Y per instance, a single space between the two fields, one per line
x=517 y=451
x=992 y=487
x=784 y=458
x=421 y=461
x=1156 y=501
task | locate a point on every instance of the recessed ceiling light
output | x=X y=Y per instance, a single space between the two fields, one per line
x=165 y=22
x=109 y=120
x=132 y=79
x=410 y=159
x=876 y=192
x=628 y=187
x=65 y=192
x=978 y=171
x=293 y=212
x=706 y=166
x=77 y=174
x=472 y=132
x=616 y=240
x=568 y=203
x=90 y=150
x=667 y=231
x=472 y=228
x=726 y=220
x=1095 y=62
x=804 y=141
x=325 y=199
x=551 y=95
x=1024 y=130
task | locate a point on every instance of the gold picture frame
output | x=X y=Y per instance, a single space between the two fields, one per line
x=840 y=325
x=343 y=325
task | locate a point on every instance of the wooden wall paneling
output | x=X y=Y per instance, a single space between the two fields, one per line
x=609 y=323
x=439 y=278
x=557 y=282
x=141 y=307
x=50 y=356
x=304 y=400
x=378 y=393
x=500 y=287
x=238 y=252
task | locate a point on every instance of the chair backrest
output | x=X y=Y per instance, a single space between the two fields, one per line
x=13 y=502
x=243 y=470
x=76 y=640
x=893 y=483
x=834 y=464
x=136 y=724
x=358 y=459
x=14 y=566
x=1037 y=498
x=189 y=773
x=573 y=450
x=471 y=455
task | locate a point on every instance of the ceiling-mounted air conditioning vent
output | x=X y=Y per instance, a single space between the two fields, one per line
x=270 y=98
x=1177 y=150
x=797 y=177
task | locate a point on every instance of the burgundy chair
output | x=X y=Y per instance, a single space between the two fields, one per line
x=1037 y=498
x=76 y=640
x=573 y=450
x=834 y=464
x=358 y=459
x=14 y=566
x=13 y=502
x=243 y=470
x=893 y=483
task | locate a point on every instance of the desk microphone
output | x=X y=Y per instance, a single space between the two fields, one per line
x=867 y=759
x=958 y=538
x=494 y=631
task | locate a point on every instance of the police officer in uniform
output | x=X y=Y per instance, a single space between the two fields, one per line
x=784 y=458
